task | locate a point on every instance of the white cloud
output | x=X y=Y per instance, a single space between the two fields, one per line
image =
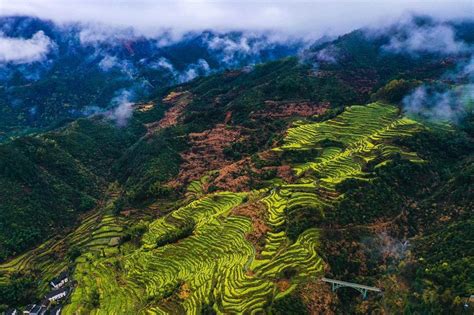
x=93 y=34
x=327 y=55
x=445 y=104
x=108 y=62
x=229 y=47
x=448 y=105
x=468 y=70
x=201 y=67
x=431 y=39
x=162 y=63
x=247 y=46
x=19 y=50
x=123 y=110
x=301 y=17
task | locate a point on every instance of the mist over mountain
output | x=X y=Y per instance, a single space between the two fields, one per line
x=51 y=72
x=54 y=72
x=300 y=18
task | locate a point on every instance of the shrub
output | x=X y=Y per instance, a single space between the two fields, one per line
x=395 y=90
x=291 y=304
x=135 y=232
x=73 y=253
x=181 y=232
x=19 y=290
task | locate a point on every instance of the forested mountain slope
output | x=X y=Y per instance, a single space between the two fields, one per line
x=237 y=192
x=83 y=69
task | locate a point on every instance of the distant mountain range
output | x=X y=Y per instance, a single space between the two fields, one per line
x=75 y=70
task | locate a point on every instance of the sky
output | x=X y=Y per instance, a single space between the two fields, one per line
x=294 y=17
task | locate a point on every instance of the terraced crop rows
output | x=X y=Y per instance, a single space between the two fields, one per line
x=198 y=255
x=200 y=212
x=94 y=234
x=363 y=134
x=214 y=263
x=359 y=135
x=195 y=189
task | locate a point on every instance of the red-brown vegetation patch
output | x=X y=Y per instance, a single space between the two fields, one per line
x=126 y=213
x=285 y=109
x=354 y=252
x=285 y=172
x=240 y=175
x=184 y=291
x=228 y=117
x=232 y=73
x=235 y=176
x=144 y=107
x=283 y=285
x=319 y=298
x=206 y=152
x=177 y=102
x=257 y=213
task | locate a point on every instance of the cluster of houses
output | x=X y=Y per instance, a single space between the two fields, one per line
x=51 y=304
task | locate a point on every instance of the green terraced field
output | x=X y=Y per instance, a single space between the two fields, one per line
x=363 y=134
x=346 y=144
x=94 y=234
x=198 y=256
x=216 y=265
x=213 y=264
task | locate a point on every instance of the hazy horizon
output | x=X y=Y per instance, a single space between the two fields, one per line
x=293 y=18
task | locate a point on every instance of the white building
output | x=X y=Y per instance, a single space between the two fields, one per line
x=57 y=294
x=60 y=281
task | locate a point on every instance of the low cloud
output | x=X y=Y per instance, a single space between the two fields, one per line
x=229 y=49
x=415 y=39
x=297 y=17
x=94 y=34
x=386 y=248
x=20 y=51
x=445 y=103
x=201 y=67
x=108 y=62
x=467 y=70
x=229 y=46
x=123 y=108
x=327 y=55
x=450 y=105
x=162 y=63
x=232 y=49
x=392 y=249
